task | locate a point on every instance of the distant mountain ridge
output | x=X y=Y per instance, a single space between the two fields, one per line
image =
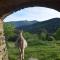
x=20 y=24
x=50 y=25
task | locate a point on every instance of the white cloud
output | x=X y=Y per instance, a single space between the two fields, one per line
x=33 y=13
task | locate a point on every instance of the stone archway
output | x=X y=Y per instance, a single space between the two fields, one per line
x=9 y=6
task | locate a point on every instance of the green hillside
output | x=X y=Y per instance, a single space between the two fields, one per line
x=49 y=25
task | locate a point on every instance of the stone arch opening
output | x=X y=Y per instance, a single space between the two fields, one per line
x=9 y=6
x=32 y=57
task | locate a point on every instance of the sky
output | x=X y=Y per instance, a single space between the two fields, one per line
x=33 y=13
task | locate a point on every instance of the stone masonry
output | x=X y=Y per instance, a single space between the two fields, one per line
x=3 y=49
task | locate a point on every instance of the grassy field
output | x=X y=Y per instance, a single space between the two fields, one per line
x=50 y=51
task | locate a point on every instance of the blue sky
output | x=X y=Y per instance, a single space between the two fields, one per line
x=33 y=13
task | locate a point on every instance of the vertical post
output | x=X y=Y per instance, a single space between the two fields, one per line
x=3 y=50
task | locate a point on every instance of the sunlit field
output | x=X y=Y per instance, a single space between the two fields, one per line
x=42 y=51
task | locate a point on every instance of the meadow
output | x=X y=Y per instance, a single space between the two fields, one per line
x=40 y=49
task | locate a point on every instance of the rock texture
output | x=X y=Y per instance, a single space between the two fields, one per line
x=3 y=48
x=9 y=6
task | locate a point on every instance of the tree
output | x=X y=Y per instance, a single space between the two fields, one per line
x=57 y=34
x=43 y=35
x=9 y=30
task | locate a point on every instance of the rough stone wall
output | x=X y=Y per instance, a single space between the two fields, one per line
x=3 y=49
x=9 y=6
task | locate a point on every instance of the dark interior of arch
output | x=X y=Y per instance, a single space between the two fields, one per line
x=9 y=6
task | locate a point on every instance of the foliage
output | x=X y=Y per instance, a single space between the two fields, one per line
x=57 y=34
x=41 y=52
x=41 y=45
x=38 y=47
x=9 y=30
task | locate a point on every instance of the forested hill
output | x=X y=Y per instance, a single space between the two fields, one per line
x=49 y=25
x=20 y=24
x=34 y=26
